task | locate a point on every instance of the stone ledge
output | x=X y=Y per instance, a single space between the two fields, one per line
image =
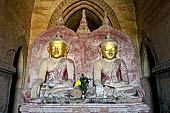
x=7 y=68
x=161 y=67
x=87 y=108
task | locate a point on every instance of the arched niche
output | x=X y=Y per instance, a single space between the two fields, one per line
x=95 y=9
x=147 y=50
x=20 y=67
x=93 y=20
x=148 y=62
x=10 y=55
x=17 y=81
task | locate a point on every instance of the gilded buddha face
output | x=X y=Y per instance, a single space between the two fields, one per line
x=109 y=50
x=58 y=49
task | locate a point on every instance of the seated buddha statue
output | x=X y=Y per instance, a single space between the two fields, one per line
x=56 y=73
x=111 y=73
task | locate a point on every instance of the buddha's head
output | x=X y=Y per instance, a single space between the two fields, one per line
x=108 y=48
x=58 y=48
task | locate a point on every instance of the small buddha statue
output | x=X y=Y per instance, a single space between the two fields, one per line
x=56 y=73
x=110 y=73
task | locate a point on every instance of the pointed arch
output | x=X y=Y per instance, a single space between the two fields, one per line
x=149 y=60
x=147 y=45
x=98 y=7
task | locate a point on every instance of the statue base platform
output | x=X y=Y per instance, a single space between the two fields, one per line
x=86 y=100
x=84 y=108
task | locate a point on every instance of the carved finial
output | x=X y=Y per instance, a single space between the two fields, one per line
x=108 y=36
x=105 y=20
x=83 y=28
x=60 y=21
x=58 y=34
x=83 y=15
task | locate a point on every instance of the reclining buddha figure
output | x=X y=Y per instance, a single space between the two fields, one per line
x=111 y=74
x=56 y=73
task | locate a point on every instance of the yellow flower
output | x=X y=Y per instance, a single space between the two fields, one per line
x=78 y=83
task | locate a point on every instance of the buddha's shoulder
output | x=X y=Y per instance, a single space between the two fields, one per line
x=45 y=60
x=118 y=60
x=98 y=62
x=68 y=60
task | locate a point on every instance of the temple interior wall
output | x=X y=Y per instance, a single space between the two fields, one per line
x=145 y=21
x=153 y=23
x=15 y=23
x=153 y=18
x=15 y=26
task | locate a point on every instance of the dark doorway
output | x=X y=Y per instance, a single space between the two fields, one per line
x=152 y=81
x=14 y=93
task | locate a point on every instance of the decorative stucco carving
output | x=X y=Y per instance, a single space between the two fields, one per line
x=98 y=7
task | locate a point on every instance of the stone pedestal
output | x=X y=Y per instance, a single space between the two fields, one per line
x=84 y=108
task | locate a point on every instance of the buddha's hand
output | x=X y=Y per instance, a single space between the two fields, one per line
x=124 y=83
x=99 y=90
x=97 y=82
x=69 y=82
x=38 y=82
x=35 y=89
x=107 y=82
